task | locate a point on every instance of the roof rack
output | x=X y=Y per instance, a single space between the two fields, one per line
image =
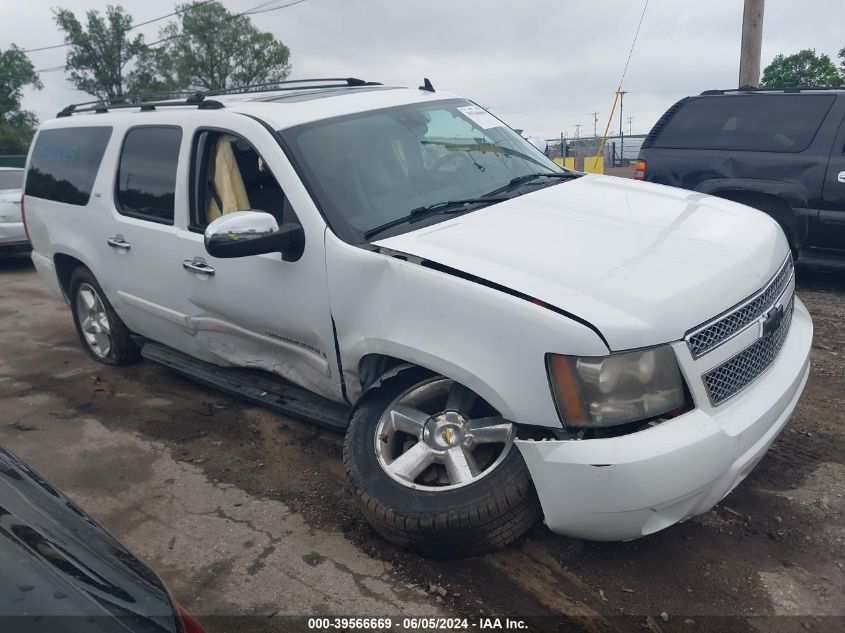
x=100 y=106
x=786 y=90
x=198 y=98
x=330 y=82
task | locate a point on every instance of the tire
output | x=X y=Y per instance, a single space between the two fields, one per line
x=121 y=349
x=440 y=521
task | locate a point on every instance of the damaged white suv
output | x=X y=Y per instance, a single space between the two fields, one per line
x=499 y=338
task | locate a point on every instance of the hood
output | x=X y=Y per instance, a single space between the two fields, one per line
x=643 y=263
x=57 y=562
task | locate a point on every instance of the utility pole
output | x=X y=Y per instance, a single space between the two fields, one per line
x=622 y=94
x=577 y=130
x=595 y=124
x=752 y=43
x=630 y=125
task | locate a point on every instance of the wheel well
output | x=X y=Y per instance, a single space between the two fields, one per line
x=65 y=265
x=373 y=366
x=774 y=206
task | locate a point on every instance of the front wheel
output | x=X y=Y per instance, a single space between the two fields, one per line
x=435 y=469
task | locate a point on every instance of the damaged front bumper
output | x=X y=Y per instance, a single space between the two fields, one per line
x=629 y=486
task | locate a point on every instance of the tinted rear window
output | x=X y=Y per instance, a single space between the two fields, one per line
x=763 y=123
x=65 y=162
x=11 y=179
x=146 y=179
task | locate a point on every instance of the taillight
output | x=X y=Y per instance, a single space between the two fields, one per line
x=639 y=169
x=23 y=219
x=189 y=624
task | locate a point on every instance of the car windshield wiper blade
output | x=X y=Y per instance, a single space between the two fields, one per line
x=447 y=206
x=521 y=180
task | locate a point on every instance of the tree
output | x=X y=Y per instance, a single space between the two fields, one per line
x=842 y=65
x=16 y=125
x=210 y=48
x=803 y=69
x=100 y=55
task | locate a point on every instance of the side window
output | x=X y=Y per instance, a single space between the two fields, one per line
x=146 y=175
x=229 y=175
x=763 y=123
x=65 y=163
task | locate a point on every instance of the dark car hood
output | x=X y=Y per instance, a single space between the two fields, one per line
x=60 y=570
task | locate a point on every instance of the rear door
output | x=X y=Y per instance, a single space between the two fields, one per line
x=142 y=268
x=831 y=221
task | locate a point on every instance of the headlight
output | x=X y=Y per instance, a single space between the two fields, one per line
x=599 y=391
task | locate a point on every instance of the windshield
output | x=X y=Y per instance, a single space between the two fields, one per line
x=369 y=169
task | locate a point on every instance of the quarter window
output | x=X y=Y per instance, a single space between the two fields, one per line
x=146 y=177
x=65 y=163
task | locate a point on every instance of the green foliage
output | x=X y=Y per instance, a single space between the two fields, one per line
x=803 y=69
x=16 y=126
x=100 y=53
x=210 y=48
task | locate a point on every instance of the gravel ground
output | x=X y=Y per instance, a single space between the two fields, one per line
x=244 y=512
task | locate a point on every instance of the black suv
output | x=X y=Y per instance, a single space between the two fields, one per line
x=781 y=151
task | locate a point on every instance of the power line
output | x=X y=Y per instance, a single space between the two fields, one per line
x=134 y=26
x=250 y=11
x=633 y=44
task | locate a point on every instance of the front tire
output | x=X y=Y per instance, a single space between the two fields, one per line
x=103 y=335
x=435 y=470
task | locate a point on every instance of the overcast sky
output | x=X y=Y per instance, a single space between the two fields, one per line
x=542 y=65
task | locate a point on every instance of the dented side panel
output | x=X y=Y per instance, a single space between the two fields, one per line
x=490 y=341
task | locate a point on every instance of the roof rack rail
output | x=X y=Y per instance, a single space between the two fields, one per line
x=792 y=89
x=100 y=106
x=323 y=82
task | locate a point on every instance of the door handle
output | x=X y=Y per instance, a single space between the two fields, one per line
x=841 y=177
x=118 y=242
x=198 y=265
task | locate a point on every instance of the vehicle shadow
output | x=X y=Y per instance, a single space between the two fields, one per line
x=14 y=264
x=819 y=280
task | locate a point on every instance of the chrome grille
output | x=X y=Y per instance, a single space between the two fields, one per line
x=712 y=334
x=738 y=372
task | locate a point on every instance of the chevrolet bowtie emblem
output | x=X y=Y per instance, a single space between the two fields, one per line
x=771 y=321
x=447 y=435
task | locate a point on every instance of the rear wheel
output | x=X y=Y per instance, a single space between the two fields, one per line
x=435 y=469
x=102 y=333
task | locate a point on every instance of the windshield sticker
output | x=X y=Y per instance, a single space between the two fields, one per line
x=480 y=117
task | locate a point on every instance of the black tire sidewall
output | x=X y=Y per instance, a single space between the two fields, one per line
x=123 y=350
x=365 y=471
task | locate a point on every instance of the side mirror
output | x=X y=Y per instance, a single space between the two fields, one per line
x=244 y=233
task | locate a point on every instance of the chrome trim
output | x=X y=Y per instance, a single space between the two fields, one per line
x=706 y=337
x=728 y=379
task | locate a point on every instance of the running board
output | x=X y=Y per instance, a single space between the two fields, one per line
x=257 y=387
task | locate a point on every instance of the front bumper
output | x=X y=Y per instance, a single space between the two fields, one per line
x=630 y=486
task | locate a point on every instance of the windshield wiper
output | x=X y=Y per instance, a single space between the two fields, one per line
x=447 y=206
x=521 y=180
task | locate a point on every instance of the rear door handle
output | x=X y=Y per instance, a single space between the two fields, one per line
x=198 y=265
x=118 y=242
x=841 y=177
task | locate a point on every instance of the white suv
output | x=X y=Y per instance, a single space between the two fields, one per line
x=505 y=337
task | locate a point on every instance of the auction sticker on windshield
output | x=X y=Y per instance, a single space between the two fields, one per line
x=480 y=117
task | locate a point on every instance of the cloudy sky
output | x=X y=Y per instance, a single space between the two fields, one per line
x=542 y=65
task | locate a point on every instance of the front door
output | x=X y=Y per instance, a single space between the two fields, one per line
x=260 y=311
